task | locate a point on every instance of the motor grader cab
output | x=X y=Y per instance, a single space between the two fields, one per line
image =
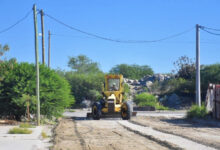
x=113 y=103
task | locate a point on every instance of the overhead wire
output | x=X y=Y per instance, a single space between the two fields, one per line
x=16 y=23
x=116 y=40
x=210 y=28
x=210 y=32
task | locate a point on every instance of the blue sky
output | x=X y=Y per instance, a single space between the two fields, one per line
x=118 y=19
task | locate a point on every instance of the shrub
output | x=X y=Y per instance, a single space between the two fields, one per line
x=17 y=130
x=126 y=91
x=161 y=107
x=197 y=112
x=44 y=135
x=19 y=85
x=26 y=125
x=145 y=99
x=179 y=86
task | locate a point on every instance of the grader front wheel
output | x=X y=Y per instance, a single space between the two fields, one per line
x=96 y=112
x=126 y=111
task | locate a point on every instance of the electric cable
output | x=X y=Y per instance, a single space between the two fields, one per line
x=210 y=32
x=117 y=40
x=16 y=23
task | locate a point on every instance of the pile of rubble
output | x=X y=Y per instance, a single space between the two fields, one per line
x=148 y=80
x=171 y=100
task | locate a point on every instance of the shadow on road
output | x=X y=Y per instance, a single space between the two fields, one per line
x=201 y=123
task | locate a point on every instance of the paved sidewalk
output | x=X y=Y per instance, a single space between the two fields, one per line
x=32 y=141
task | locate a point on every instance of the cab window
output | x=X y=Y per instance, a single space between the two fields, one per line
x=113 y=84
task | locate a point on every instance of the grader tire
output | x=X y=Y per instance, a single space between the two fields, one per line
x=96 y=111
x=126 y=111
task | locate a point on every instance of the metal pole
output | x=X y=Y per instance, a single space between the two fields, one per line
x=42 y=30
x=37 y=65
x=49 y=48
x=198 y=88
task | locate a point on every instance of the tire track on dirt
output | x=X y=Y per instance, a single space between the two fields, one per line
x=162 y=143
x=169 y=140
x=167 y=131
x=82 y=141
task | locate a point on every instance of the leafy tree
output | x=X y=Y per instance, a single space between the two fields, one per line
x=209 y=74
x=85 y=86
x=20 y=80
x=132 y=71
x=3 y=49
x=83 y=64
x=185 y=67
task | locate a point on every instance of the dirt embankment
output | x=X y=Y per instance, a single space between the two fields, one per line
x=99 y=135
x=205 y=132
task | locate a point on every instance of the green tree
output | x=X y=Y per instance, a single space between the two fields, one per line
x=185 y=67
x=85 y=86
x=209 y=74
x=3 y=49
x=132 y=71
x=83 y=64
x=20 y=80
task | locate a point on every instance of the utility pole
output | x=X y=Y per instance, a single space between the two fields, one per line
x=198 y=88
x=37 y=65
x=42 y=30
x=49 y=48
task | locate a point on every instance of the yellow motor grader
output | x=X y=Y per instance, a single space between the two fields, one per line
x=113 y=103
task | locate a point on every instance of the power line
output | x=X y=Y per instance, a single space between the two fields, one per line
x=116 y=40
x=210 y=32
x=87 y=37
x=210 y=28
x=72 y=36
x=16 y=23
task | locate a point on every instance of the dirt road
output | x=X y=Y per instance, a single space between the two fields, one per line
x=148 y=132
x=206 y=132
x=99 y=135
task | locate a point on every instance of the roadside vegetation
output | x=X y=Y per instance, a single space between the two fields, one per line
x=61 y=89
x=132 y=71
x=44 y=135
x=146 y=99
x=17 y=130
x=26 y=125
x=17 y=90
x=197 y=112
x=183 y=82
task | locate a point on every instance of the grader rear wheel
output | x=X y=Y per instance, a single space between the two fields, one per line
x=126 y=111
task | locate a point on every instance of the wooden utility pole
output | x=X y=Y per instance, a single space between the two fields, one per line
x=42 y=31
x=198 y=88
x=28 y=108
x=49 y=48
x=37 y=64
